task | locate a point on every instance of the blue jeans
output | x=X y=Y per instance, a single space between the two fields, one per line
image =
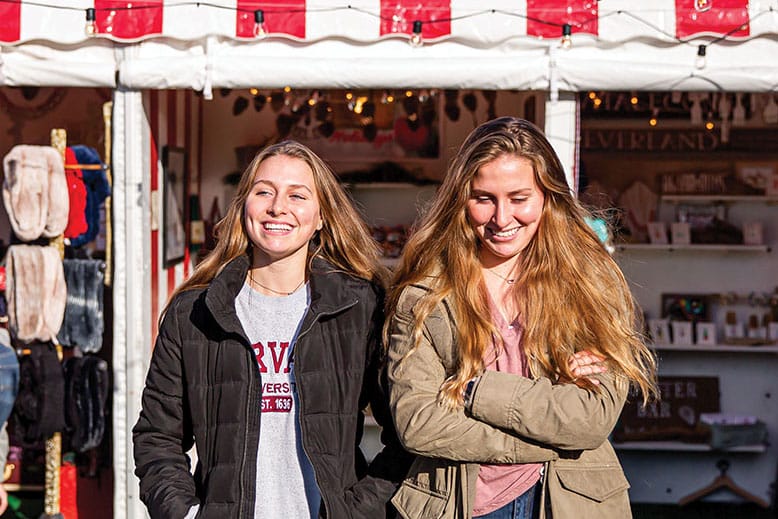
x=523 y=507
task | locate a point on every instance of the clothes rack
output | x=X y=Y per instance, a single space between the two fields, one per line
x=723 y=482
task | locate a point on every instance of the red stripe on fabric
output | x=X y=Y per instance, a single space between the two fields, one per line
x=154 y=157
x=545 y=18
x=128 y=20
x=281 y=17
x=397 y=16
x=10 y=22
x=172 y=140
x=720 y=17
x=188 y=177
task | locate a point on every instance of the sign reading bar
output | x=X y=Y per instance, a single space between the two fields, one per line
x=675 y=416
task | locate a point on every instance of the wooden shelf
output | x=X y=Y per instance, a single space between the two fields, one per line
x=16 y=487
x=707 y=199
x=692 y=247
x=683 y=446
x=723 y=348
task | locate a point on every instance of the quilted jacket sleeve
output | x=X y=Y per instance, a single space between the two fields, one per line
x=162 y=435
x=423 y=425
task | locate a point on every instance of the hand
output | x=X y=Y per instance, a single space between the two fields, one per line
x=3 y=499
x=584 y=364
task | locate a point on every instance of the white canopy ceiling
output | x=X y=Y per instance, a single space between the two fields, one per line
x=505 y=44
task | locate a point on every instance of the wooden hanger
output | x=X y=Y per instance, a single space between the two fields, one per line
x=723 y=482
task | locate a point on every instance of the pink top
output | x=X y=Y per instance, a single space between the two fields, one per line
x=498 y=485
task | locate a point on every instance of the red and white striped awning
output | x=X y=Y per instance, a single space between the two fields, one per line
x=493 y=44
x=475 y=23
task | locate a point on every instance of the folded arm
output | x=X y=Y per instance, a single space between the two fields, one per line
x=430 y=429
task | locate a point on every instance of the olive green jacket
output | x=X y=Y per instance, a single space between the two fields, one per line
x=512 y=419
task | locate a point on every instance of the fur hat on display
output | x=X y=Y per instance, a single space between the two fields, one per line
x=83 y=323
x=35 y=192
x=36 y=292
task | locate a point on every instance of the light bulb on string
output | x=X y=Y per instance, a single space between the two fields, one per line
x=567 y=36
x=416 y=38
x=701 y=60
x=654 y=120
x=90 y=29
x=709 y=124
x=260 y=29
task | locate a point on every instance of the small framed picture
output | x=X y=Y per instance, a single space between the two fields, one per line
x=682 y=333
x=657 y=233
x=706 y=333
x=659 y=330
x=680 y=233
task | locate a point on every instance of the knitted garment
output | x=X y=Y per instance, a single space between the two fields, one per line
x=36 y=292
x=34 y=192
x=39 y=410
x=77 y=194
x=97 y=189
x=83 y=322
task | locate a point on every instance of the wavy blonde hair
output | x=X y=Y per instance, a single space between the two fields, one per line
x=344 y=240
x=570 y=294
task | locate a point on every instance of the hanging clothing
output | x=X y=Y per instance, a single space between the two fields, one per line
x=77 y=195
x=97 y=190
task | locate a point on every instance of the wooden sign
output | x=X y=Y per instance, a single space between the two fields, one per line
x=675 y=416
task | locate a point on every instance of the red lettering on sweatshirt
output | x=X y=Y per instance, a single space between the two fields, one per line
x=277 y=355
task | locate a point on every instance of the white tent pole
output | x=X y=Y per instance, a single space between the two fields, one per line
x=132 y=343
x=562 y=132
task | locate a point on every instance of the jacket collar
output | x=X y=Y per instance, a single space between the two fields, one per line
x=331 y=292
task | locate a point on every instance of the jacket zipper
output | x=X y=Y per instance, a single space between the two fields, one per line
x=303 y=333
x=246 y=442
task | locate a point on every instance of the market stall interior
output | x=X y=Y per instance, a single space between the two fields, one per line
x=663 y=114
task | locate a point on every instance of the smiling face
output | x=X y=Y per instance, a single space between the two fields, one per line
x=282 y=211
x=504 y=208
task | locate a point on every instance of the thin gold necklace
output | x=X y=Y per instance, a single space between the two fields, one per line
x=510 y=281
x=279 y=292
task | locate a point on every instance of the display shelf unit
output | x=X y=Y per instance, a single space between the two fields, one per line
x=718 y=199
x=713 y=247
x=654 y=446
x=717 y=348
x=666 y=471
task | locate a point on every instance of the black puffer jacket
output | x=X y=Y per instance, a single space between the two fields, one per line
x=203 y=386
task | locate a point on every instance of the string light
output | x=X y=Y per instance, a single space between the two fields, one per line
x=654 y=118
x=90 y=29
x=709 y=124
x=700 y=61
x=416 y=38
x=567 y=33
x=260 y=30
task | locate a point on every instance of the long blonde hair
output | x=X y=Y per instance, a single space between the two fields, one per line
x=344 y=240
x=570 y=294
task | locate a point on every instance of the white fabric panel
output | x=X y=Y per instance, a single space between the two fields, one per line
x=39 y=64
x=131 y=332
x=184 y=20
x=633 y=19
x=321 y=23
x=487 y=26
x=745 y=66
x=562 y=132
x=39 y=22
x=334 y=64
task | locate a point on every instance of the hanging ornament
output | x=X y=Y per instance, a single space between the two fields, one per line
x=471 y=103
x=451 y=107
